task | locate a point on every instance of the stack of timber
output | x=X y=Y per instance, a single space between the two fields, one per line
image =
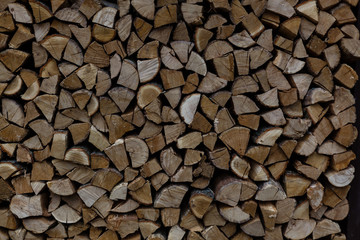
x=169 y=119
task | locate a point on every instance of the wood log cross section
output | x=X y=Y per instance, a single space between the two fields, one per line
x=168 y=119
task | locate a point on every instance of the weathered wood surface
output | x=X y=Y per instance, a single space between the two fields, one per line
x=143 y=119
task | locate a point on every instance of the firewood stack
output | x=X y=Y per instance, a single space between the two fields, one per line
x=167 y=119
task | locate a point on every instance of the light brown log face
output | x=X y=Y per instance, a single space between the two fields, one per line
x=167 y=119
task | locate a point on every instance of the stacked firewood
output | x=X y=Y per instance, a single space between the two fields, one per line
x=167 y=119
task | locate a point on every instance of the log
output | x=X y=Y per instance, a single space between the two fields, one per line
x=23 y=206
x=297 y=229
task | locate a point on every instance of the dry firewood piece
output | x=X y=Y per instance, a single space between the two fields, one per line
x=37 y=225
x=237 y=12
x=233 y=214
x=325 y=227
x=290 y=28
x=96 y=55
x=258 y=57
x=12 y=111
x=341 y=178
x=309 y=10
x=223 y=121
x=244 y=105
x=299 y=49
x=270 y=191
x=77 y=155
x=192 y=13
x=343 y=14
x=213 y=217
x=324 y=5
x=196 y=63
x=148 y=69
x=253 y=25
x=330 y=147
x=236 y=138
x=280 y=7
x=90 y=194
x=6 y=75
x=212 y=233
x=285 y=210
x=13 y=59
x=41 y=30
x=66 y=214
x=20 y=13
x=339 y=212
x=268 y=136
x=188 y=107
x=168 y=58
x=258 y=173
x=254 y=228
x=242 y=61
x=302 y=83
x=7 y=23
x=89 y=8
x=346 y=135
x=162 y=34
x=274 y=117
x=211 y=83
x=146 y=94
x=117 y=154
x=137 y=150
x=227 y=190
x=269 y=98
x=316 y=95
x=23 y=206
x=258 y=153
x=200 y=202
x=105 y=17
x=62 y=187
x=121 y=97
x=298 y=229
x=220 y=158
x=22 y=35
x=170 y=196
x=268 y=211
x=71 y=15
x=182 y=49
x=170 y=161
x=106 y=178
x=7 y=169
x=40 y=11
x=296 y=128
x=348 y=46
x=217 y=49
x=8 y=221
x=81 y=174
x=145 y=8
x=190 y=140
x=22 y=184
x=83 y=35
x=343 y=99
x=165 y=15
x=171 y=78
x=129 y=76
x=295 y=184
x=242 y=39
x=346 y=76
x=276 y=78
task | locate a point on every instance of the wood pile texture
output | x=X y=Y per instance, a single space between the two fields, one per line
x=173 y=119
